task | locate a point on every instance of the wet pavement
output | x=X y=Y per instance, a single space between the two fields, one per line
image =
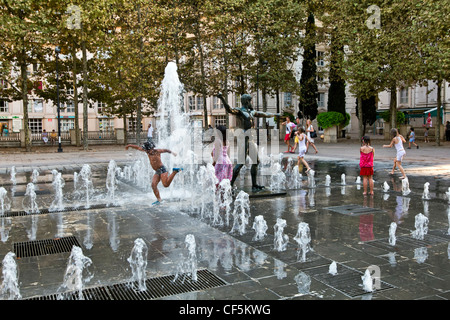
x=345 y=227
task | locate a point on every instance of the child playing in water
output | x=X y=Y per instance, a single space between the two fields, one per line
x=302 y=138
x=366 y=164
x=397 y=141
x=412 y=138
x=161 y=174
x=221 y=160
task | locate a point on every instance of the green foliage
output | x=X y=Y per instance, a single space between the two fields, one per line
x=386 y=116
x=331 y=118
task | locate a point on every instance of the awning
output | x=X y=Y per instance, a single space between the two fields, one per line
x=433 y=111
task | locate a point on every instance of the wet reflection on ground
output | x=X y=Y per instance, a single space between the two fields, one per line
x=252 y=269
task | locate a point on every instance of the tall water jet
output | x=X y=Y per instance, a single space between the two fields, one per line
x=426 y=191
x=343 y=179
x=303 y=238
x=138 y=264
x=10 y=286
x=280 y=240
x=260 y=227
x=111 y=183
x=296 y=178
x=188 y=265
x=76 y=275
x=58 y=184
x=86 y=182
x=392 y=237
x=421 y=224
x=327 y=180
x=332 y=269
x=13 y=175
x=405 y=187
x=311 y=181
x=241 y=213
x=386 y=187
x=35 y=175
x=5 y=202
x=358 y=180
x=367 y=281
x=225 y=199
x=29 y=201
x=277 y=179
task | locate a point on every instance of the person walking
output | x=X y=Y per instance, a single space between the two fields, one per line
x=397 y=141
x=367 y=154
x=311 y=133
x=412 y=138
x=289 y=128
x=447 y=131
x=150 y=133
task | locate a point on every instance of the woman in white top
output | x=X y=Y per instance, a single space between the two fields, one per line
x=397 y=141
x=302 y=140
x=309 y=129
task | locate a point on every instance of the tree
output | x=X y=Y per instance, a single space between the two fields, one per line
x=336 y=91
x=308 y=80
x=23 y=32
x=367 y=114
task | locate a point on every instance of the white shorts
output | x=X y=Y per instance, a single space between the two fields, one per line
x=301 y=152
x=400 y=155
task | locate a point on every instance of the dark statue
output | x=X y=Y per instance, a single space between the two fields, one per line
x=246 y=114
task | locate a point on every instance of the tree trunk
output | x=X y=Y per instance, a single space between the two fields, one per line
x=438 y=113
x=75 y=97
x=26 y=128
x=393 y=106
x=361 y=119
x=85 y=97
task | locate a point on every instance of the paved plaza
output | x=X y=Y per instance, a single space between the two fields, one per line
x=346 y=228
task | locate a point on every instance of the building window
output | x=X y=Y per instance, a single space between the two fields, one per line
x=68 y=106
x=35 y=125
x=287 y=99
x=238 y=100
x=217 y=103
x=320 y=61
x=404 y=96
x=67 y=124
x=132 y=125
x=4 y=106
x=38 y=105
x=106 y=124
x=321 y=100
x=191 y=102
x=101 y=107
x=199 y=102
x=220 y=121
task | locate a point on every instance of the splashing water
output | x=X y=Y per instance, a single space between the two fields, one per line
x=260 y=227
x=76 y=275
x=241 y=213
x=448 y=195
x=35 y=175
x=426 y=191
x=367 y=281
x=405 y=187
x=303 y=283
x=311 y=181
x=421 y=224
x=343 y=179
x=5 y=202
x=138 y=264
x=296 y=178
x=303 y=238
x=332 y=269
x=327 y=180
x=10 y=286
x=281 y=240
x=386 y=187
x=225 y=199
x=448 y=218
x=13 y=175
x=188 y=266
x=358 y=180
x=392 y=237
x=29 y=201
x=58 y=184
x=111 y=184
x=277 y=179
x=87 y=186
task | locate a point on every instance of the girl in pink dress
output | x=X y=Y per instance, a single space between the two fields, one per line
x=366 y=164
x=221 y=159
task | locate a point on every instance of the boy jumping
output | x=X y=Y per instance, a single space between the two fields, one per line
x=161 y=174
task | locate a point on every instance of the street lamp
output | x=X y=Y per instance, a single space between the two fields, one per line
x=57 y=51
x=264 y=62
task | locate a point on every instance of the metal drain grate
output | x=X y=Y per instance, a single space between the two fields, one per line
x=66 y=209
x=406 y=243
x=158 y=287
x=348 y=281
x=354 y=210
x=44 y=247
